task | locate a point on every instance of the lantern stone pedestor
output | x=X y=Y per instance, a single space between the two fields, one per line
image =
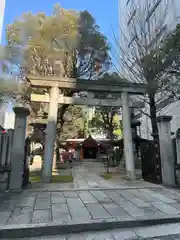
x=18 y=151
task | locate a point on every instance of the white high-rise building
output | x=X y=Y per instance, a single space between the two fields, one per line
x=2 y=11
x=146 y=19
x=3 y=106
x=132 y=11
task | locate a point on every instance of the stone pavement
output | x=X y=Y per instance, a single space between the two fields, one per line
x=87 y=176
x=89 y=200
x=63 y=206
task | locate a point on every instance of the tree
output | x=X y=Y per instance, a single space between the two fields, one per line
x=146 y=54
x=73 y=125
x=66 y=44
x=173 y=71
x=9 y=87
x=106 y=120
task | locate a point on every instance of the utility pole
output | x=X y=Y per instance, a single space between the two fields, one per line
x=2 y=11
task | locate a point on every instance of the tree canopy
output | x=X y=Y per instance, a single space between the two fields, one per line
x=66 y=43
x=9 y=88
x=106 y=121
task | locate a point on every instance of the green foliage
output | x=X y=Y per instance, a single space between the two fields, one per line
x=172 y=44
x=62 y=178
x=106 y=120
x=65 y=44
x=106 y=176
x=71 y=128
x=9 y=88
x=55 y=179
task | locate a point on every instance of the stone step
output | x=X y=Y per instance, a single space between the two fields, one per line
x=44 y=229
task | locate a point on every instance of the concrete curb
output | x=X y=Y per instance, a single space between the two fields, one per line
x=45 y=229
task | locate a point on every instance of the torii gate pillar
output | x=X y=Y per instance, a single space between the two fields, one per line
x=50 y=135
x=127 y=133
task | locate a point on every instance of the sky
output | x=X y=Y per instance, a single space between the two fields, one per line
x=104 y=11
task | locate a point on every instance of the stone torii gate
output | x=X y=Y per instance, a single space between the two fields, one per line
x=124 y=89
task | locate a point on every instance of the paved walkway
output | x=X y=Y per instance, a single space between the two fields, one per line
x=88 y=199
x=41 y=207
x=87 y=176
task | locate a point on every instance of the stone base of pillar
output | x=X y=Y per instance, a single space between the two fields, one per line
x=131 y=175
x=45 y=179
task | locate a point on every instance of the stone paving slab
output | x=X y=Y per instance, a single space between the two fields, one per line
x=27 y=207
x=87 y=177
x=115 y=207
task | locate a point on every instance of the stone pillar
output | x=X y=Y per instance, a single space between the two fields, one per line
x=178 y=145
x=127 y=133
x=17 y=153
x=10 y=135
x=166 y=150
x=50 y=135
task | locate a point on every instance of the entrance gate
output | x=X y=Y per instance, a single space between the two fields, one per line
x=124 y=89
x=150 y=161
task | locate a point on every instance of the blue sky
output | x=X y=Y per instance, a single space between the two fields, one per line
x=104 y=11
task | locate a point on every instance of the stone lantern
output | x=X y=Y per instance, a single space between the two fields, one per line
x=38 y=131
